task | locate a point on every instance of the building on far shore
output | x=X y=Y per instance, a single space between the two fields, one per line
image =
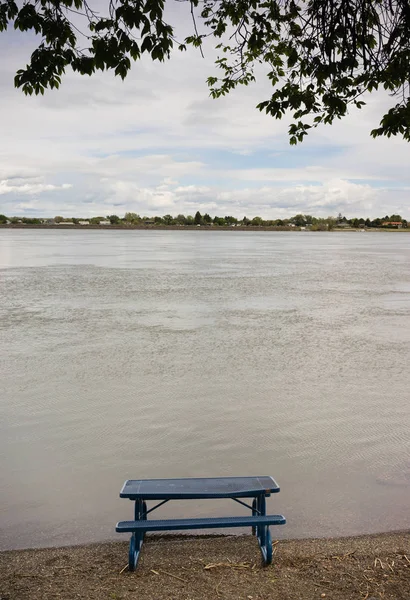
x=64 y=223
x=105 y=222
x=83 y=222
x=343 y=225
x=397 y=224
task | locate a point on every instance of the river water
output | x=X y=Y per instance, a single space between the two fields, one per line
x=139 y=354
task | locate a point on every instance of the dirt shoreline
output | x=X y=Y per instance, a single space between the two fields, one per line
x=366 y=567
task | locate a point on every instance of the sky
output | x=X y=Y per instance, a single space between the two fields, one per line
x=157 y=144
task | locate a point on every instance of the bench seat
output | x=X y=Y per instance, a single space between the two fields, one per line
x=202 y=523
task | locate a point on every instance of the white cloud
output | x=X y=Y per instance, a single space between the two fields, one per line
x=8 y=186
x=192 y=190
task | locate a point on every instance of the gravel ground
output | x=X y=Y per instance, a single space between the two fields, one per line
x=208 y=567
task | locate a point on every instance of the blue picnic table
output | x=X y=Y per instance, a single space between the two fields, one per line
x=163 y=490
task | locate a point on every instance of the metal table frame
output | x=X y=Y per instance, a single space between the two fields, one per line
x=134 y=490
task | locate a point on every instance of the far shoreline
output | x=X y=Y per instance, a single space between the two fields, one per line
x=201 y=228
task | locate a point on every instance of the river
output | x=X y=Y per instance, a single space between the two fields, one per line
x=142 y=354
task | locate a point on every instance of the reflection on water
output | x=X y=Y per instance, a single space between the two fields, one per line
x=160 y=354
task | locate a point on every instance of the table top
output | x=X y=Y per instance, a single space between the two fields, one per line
x=204 y=487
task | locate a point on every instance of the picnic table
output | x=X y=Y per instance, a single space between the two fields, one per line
x=163 y=490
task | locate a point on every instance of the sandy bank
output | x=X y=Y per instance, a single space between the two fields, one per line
x=199 y=568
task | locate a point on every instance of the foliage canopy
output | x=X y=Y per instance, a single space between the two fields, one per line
x=321 y=55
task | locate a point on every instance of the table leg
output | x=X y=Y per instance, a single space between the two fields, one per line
x=262 y=512
x=137 y=538
x=254 y=513
x=144 y=515
x=263 y=533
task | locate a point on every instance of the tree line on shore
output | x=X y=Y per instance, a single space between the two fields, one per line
x=205 y=220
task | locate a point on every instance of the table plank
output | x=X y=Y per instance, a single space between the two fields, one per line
x=204 y=487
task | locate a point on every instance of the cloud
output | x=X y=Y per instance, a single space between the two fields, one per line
x=189 y=190
x=322 y=199
x=8 y=186
x=158 y=143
